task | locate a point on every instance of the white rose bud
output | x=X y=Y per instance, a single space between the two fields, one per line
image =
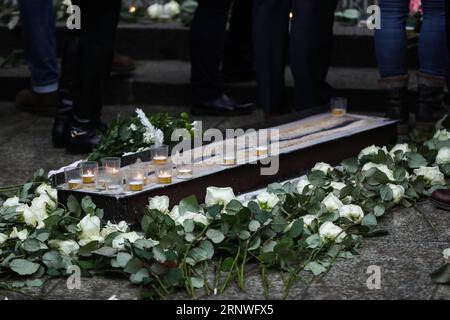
x=160 y=203
x=371 y=151
x=446 y=254
x=65 y=247
x=322 y=166
x=220 y=196
x=122 y=226
x=155 y=10
x=403 y=147
x=3 y=238
x=47 y=190
x=308 y=220
x=398 y=192
x=21 y=235
x=89 y=227
x=431 y=174
x=443 y=156
x=302 y=183
x=442 y=135
x=119 y=241
x=33 y=216
x=382 y=167
x=267 y=200
x=352 y=212
x=332 y=203
x=337 y=185
x=330 y=232
x=172 y=8
x=179 y=219
x=11 y=202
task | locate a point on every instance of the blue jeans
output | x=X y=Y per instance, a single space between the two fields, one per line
x=38 y=25
x=391 y=41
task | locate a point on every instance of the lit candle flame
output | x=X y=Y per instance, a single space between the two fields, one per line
x=132 y=9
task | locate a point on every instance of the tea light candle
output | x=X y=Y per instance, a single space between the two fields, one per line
x=185 y=173
x=74 y=184
x=136 y=185
x=160 y=160
x=338 y=112
x=229 y=160
x=88 y=178
x=164 y=177
x=262 y=151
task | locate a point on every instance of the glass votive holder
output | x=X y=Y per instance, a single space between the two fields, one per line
x=338 y=106
x=103 y=179
x=89 y=170
x=164 y=173
x=115 y=179
x=135 y=179
x=160 y=155
x=73 y=178
x=185 y=170
x=111 y=164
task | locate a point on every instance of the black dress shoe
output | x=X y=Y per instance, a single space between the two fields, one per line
x=222 y=106
x=441 y=198
x=83 y=137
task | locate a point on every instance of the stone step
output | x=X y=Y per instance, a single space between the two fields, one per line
x=353 y=46
x=166 y=82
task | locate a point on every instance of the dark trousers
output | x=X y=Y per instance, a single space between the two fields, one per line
x=92 y=61
x=309 y=44
x=209 y=40
x=447 y=18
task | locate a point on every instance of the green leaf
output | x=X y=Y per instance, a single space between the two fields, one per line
x=159 y=254
x=174 y=276
x=34 y=283
x=139 y=276
x=105 y=252
x=296 y=229
x=214 y=210
x=125 y=132
x=441 y=275
x=369 y=220
x=23 y=267
x=122 y=259
x=313 y=241
x=52 y=259
x=416 y=160
x=32 y=245
x=86 y=251
x=188 y=204
x=233 y=207
x=350 y=165
x=378 y=210
x=73 y=205
x=254 y=225
x=317 y=178
x=88 y=205
x=197 y=282
x=215 y=235
x=386 y=193
x=315 y=267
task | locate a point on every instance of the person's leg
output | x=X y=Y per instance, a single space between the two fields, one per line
x=238 y=58
x=433 y=62
x=208 y=32
x=38 y=26
x=391 y=50
x=270 y=34
x=311 y=44
x=98 y=27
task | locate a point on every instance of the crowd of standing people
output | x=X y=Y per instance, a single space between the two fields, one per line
x=262 y=37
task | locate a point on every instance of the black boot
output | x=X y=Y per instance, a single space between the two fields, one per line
x=83 y=136
x=431 y=100
x=396 y=91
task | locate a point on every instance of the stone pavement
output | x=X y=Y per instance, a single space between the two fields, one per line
x=406 y=255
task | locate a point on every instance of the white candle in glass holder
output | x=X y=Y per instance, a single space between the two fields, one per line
x=136 y=185
x=74 y=184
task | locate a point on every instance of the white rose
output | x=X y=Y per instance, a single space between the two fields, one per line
x=322 y=166
x=446 y=254
x=48 y=191
x=122 y=226
x=172 y=8
x=21 y=235
x=160 y=203
x=352 y=212
x=403 y=147
x=398 y=192
x=442 y=135
x=89 y=227
x=332 y=203
x=155 y=10
x=33 y=216
x=331 y=232
x=337 y=185
x=220 y=196
x=3 y=238
x=44 y=202
x=119 y=241
x=371 y=151
x=382 y=167
x=302 y=183
x=267 y=200
x=65 y=247
x=133 y=127
x=11 y=202
x=443 y=156
x=431 y=174
x=179 y=219
x=308 y=220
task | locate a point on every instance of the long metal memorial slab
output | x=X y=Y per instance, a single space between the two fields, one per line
x=297 y=147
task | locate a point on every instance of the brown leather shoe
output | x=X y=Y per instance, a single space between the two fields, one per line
x=122 y=64
x=44 y=105
x=441 y=198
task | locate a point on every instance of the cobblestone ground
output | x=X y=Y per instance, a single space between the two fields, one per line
x=405 y=256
